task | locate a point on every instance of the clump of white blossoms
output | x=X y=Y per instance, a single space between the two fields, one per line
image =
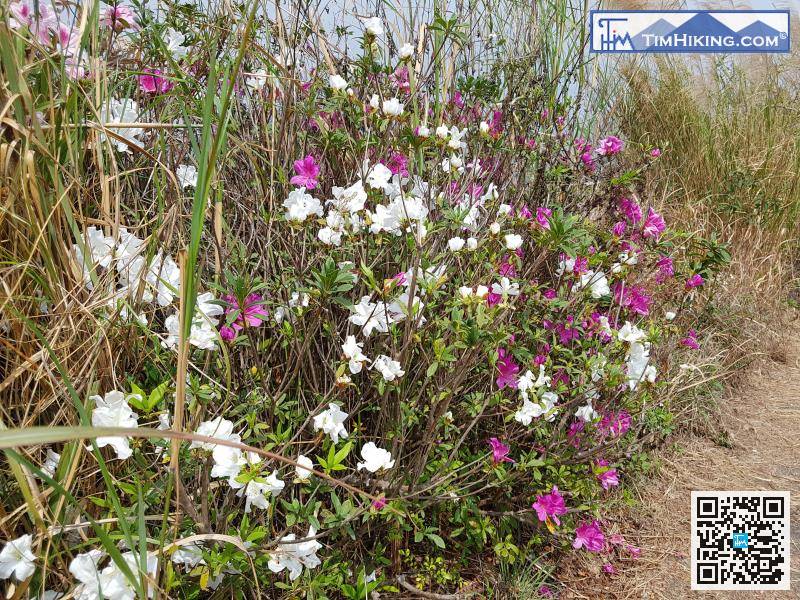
x=113 y=410
x=389 y=368
x=392 y=107
x=538 y=406
x=122 y=111
x=303 y=469
x=597 y=283
x=353 y=353
x=294 y=556
x=187 y=175
x=219 y=428
x=203 y=333
x=331 y=422
x=373 y=26
x=375 y=458
x=337 y=82
x=638 y=356
x=17 y=559
x=300 y=205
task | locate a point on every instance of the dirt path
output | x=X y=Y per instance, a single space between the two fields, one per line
x=762 y=418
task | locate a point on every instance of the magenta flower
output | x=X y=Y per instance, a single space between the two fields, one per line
x=250 y=314
x=619 y=228
x=398 y=164
x=508 y=369
x=608 y=477
x=655 y=152
x=589 y=536
x=543 y=215
x=550 y=505
x=545 y=592
x=665 y=269
x=633 y=297
x=631 y=209
x=609 y=568
x=499 y=451
x=379 y=503
x=39 y=18
x=609 y=146
x=690 y=341
x=307 y=171
x=654 y=225
x=615 y=423
x=119 y=17
x=694 y=281
x=152 y=82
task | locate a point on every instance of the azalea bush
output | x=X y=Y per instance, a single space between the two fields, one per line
x=361 y=314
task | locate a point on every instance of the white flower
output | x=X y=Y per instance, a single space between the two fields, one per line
x=370 y=316
x=331 y=422
x=586 y=413
x=494 y=228
x=442 y=131
x=533 y=410
x=513 y=241
x=84 y=568
x=504 y=209
x=122 y=111
x=113 y=411
x=505 y=288
x=670 y=315
x=456 y=139
x=303 y=468
x=257 y=79
x=228 y=461
x=379 y=176
x=455 y=244
x=481 y=291
x=597 y=282
x=629 y=258
x=189 y=555
x=465 y=291
x=187 y=175
x=294 y=556
x=631 y=333
x=218 y=428
x=406 y=51
x=174 y=41
x=472 y=243
x=375 y=458
x=484 y=127
x=337 y=82
x=392 y=107
x=51 y=463
x=527 y=382
x=17 y=558
x=373 y=26
x=257 y=490
x=353 y=352
x=330 y=237
x=350 y=199
x=300 y=205
x=423 y=131
x=390 y=369
x=115 y=584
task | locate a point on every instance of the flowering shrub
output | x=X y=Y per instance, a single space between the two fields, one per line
x=424 y=321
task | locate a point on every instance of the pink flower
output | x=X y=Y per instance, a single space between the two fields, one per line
x=655 y=152
x=633 y=297
x=619 y=228
x=694 y=281
x=654 y=225
x=609 y=146
x=589 y=536
x=690 y=341
x=119 y=17
x=608 y=477
x=550 y=505
x=543 y=215
x=249 y=314
x=545 y=592
x=398 y=164
x=379 y=503
x=499 y=451
x=615 y=423
x=665 y=269
x=39 y=22
x=508 y=369
x=631 y=209
x=609 y=568
x=153 y=83
x=307 y=171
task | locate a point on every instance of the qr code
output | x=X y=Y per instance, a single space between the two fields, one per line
x=740 y=541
